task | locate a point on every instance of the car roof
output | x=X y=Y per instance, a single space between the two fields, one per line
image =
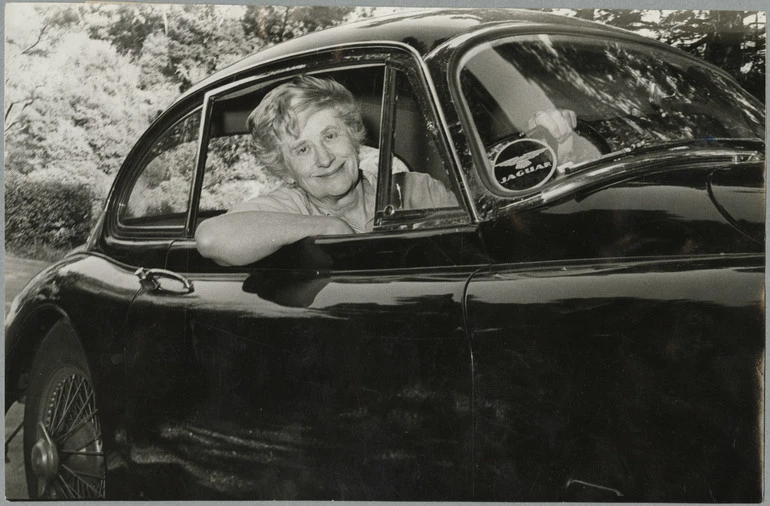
x=424 y=30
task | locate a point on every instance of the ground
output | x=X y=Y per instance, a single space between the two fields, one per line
x=18 y=271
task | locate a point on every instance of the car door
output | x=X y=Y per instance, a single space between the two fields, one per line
x=336 y=368
x=614 y=366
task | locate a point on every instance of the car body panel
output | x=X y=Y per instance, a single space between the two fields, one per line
x=93 y=293
x=663 y=212
x=642 y=377
x=596 y=333
x=310 y=383
x=740 y=197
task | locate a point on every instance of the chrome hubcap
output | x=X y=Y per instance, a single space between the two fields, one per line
x=68 y=459
x=45 y=457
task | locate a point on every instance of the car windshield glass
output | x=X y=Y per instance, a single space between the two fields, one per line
x=624 y=95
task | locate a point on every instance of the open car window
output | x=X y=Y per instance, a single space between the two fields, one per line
x=233 y=175
x=232 y=172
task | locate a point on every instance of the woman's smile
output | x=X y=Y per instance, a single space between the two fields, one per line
x=332 y=172
x=323 y=159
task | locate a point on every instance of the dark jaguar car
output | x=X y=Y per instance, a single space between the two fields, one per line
x=586 y=324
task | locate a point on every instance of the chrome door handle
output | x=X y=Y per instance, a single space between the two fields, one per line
x=149 y=280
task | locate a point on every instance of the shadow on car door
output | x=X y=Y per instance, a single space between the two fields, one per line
x=338 y=368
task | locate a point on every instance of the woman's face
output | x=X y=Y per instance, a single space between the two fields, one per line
x=323 y=159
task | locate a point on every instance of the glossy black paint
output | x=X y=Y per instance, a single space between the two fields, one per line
x=93 y=294
x=604 y=371
x=642 y=377
x=739 y=194
x=664 y=213
x=331 y=389
x=316 y=402
x=603 y=340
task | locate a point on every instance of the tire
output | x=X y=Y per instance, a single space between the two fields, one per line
x=63 y=452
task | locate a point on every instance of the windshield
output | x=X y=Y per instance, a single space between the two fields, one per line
x=624 y=95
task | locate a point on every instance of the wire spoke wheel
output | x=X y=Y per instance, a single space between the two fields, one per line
x=73 y=425
x=64 y=446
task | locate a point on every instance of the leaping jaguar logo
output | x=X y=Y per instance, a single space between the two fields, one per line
x=523 y=161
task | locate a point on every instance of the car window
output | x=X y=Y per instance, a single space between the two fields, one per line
x=625 y=96
x=422 y=175
x=232 y=172
x=416 y=141
x=160 y=193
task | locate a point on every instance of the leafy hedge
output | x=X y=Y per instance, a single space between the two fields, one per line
x=48 y=213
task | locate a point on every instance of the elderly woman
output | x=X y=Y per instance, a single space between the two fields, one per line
x=307 y=132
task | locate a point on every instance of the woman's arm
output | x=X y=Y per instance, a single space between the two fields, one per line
x=244 y=237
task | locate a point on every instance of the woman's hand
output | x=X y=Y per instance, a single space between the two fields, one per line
x=559 y=124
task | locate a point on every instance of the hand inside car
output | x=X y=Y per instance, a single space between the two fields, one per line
x=560 y=126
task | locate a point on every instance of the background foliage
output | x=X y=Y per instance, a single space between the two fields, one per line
x=733 y=40
x=57 y=215
x=83 y=81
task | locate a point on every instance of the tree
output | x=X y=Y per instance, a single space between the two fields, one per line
x=732 y=40
x=83 y=111
x=180 y=44
x=44 y=29
x=185 y=43
x=126 y=27
x=274 y=24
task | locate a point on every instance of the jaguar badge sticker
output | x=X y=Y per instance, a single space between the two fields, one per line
x=524 y=164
